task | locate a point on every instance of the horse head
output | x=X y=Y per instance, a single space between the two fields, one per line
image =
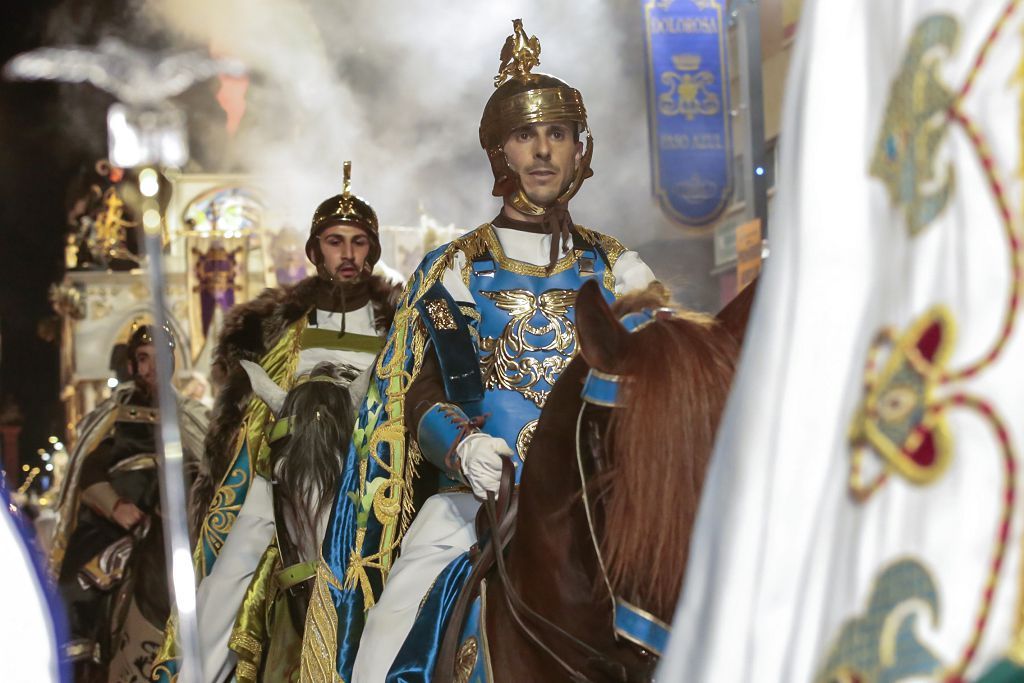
x=307 y=441
x=649 y=449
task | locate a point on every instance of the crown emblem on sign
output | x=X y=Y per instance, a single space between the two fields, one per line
x=518 y=56
x=686 y=62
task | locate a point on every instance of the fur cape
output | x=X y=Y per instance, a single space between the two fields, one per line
x=250 y=331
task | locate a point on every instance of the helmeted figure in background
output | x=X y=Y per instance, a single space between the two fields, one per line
x=336 y=316
x=484 y=329
x=107 y=552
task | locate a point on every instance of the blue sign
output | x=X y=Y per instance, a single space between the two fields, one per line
x=688 y=105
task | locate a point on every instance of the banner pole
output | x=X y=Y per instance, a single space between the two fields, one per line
x=173 y=493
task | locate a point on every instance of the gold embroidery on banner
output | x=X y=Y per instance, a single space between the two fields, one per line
x=906 y=156
x=525 y=438
x=880 y=643
x=504 y=362
x=440 y=314
x=465 y=660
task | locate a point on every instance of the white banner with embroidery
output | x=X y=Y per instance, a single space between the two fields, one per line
x=862 y=519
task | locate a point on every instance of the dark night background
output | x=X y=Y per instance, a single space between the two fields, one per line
x=41 y=159
x=38 y=161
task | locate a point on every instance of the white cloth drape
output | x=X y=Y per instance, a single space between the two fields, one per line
x=783 y=557
x=28 y=640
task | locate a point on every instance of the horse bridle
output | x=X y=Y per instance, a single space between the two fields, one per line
x=601 y=390
x=631 y=623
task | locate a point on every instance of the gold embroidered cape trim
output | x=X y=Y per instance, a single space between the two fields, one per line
x=388 y=497
x=320 y=635
x=252 y=625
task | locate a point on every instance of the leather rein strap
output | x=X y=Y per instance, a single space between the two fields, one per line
x=502 y=526
x=482 y=564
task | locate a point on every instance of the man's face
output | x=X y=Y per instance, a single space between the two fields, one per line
x=545 y=157
x=345 y=248
x=145 y=368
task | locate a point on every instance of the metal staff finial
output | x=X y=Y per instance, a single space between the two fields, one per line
x=134 y=76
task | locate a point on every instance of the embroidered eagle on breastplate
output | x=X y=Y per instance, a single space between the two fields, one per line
x=538 y=325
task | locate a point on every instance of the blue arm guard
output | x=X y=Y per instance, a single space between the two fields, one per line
x=440 y=430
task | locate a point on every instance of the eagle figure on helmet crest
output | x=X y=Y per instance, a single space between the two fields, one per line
x=519 y=55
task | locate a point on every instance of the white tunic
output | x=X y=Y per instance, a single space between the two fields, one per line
x=221 y=593
x=443 y=529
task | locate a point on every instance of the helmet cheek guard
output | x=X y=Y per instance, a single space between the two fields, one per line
x=507 y=182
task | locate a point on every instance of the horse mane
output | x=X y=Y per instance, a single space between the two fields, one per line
x=307 y=465
x=678 y=372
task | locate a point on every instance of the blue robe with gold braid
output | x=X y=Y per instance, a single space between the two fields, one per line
x=522 y=322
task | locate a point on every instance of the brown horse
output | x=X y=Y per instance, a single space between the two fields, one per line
x=548 y=616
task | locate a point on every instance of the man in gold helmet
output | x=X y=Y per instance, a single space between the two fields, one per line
x=484 y=328
x=337 y=316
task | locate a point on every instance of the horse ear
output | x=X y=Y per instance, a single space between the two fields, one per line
x=601 y=336
x=264 y=387
x=735 y=315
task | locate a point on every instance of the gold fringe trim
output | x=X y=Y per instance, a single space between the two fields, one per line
x=319 y=656
x=392 y=500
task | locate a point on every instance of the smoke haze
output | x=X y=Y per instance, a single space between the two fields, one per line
x=398 y=87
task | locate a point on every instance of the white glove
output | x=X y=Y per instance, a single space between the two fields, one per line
x=480 y=459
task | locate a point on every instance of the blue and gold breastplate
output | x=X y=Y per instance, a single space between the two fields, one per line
x=527 y=332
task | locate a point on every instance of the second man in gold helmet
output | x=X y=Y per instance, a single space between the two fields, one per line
x=249 y=506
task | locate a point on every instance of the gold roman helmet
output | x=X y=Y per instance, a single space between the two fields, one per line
x=522 y=98
x=344 y=208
